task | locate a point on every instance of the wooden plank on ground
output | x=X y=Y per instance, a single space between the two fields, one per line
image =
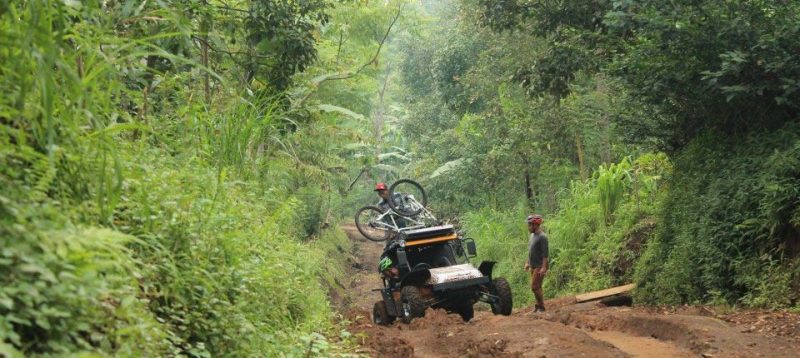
x=604 y=293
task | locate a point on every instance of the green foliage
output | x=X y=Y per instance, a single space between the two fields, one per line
x=194 y=282
x=139 y=220
x=543 y=92
x=730 y=223
x=68 y=288
x=216 y=252
x=603 y=224
x=281 y=37
x=480 y=100
x=611 y=184
x=588 y=249
x=709 y=65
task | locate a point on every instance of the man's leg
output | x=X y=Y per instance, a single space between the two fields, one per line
x=536 y=287
x=539 y=296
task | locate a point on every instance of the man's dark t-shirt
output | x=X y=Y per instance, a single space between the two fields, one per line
x=537 y=249
x=384 y=204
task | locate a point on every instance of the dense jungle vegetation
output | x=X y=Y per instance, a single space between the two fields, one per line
x=660 y=139
x=173 y=174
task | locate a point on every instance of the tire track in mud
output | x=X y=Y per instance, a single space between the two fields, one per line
x=566 y=330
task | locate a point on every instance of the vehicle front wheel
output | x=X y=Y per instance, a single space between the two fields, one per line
x=466 y=312
x=502 y=290
x=412 y=304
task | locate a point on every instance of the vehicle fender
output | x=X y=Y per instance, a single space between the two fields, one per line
x=486 y=268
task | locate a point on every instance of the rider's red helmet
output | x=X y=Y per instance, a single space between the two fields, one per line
x=380 y=186
x=535 y=219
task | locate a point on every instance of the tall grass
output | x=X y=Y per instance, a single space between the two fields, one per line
x=126 y=230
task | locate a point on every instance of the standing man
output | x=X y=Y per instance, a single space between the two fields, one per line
x=538 y=252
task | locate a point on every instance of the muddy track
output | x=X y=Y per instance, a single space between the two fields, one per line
x=566 y=330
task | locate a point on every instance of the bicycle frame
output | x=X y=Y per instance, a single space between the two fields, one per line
x=387 y=220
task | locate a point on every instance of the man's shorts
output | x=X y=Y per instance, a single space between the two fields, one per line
x=536 y=280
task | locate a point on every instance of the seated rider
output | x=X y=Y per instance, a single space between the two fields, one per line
x=387 y=265
x=383 y=193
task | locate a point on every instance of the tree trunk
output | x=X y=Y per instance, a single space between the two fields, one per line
x=339 y=48
x=205 y=28
x=606 y=140
x=581 y=164
x=528 y=188
x=379 y=117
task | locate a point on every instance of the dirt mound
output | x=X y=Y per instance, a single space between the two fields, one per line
x=784 y=324
x=487 y=348
x=381 y=344
x=436 y=319
x=375 y=340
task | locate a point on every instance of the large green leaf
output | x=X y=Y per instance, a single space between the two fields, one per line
x=340 y=110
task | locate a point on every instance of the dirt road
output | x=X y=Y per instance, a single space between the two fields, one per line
x=566 y=330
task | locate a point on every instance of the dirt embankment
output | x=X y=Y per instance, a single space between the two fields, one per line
x=566 y=330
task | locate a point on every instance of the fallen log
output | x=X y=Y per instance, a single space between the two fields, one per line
x=591 y=296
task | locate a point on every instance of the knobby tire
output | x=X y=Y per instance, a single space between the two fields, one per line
x=363 y=228
x=397 y=207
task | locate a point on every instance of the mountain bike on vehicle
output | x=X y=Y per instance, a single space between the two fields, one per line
x=406 y=211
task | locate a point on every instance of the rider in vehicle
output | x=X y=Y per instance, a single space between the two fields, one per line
x=387 y=265
x=383 y=193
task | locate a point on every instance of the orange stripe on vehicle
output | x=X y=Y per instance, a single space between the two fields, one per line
x=432 y=240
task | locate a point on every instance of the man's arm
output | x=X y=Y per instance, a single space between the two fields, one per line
x=545 y=255
x=528 y=258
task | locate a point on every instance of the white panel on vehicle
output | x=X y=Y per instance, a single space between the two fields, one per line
x=453 y=273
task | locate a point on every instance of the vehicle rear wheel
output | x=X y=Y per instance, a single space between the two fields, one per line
x=502 y=290
x=366 y=220
x=407 y=187
x=380 y=315
x=412 y=304
x=466 y=312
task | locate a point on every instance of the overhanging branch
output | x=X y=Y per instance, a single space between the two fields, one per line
x=349 y=74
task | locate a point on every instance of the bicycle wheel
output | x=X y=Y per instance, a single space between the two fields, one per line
x=407 y=198
x=368 y=225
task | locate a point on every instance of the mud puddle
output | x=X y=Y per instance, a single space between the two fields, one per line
x=640 y=346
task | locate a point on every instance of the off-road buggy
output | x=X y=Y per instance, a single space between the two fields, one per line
x=433 y=270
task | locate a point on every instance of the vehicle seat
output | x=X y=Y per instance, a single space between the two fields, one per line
x=441 y=262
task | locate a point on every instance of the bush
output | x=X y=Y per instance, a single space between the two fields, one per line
x=602 y=224
x=730 y=223
x=194 y=263
x=67 y=288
